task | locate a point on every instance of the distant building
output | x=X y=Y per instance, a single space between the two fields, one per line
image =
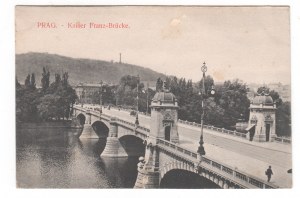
x=85 y=91
x=283 y=90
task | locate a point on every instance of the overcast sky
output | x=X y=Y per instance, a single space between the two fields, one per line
x=249 y=43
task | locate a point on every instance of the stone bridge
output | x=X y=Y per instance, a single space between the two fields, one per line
x=163 y=151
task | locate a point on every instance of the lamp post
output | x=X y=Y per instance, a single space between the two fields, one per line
x=201 y=150
x=100 y=94
x=147 y=98
x=82 y=97
x=137 y=101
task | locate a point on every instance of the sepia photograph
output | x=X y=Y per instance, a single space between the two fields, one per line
x=153 y=97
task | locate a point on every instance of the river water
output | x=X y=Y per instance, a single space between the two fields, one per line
x=54 y=157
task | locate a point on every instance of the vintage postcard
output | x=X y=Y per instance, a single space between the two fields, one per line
x=181 y=97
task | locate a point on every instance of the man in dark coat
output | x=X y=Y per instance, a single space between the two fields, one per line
x=269 y=173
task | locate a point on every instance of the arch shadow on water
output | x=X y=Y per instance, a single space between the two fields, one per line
x=183 y=179
x=133 y=145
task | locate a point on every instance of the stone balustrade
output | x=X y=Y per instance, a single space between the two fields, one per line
x=216 y=129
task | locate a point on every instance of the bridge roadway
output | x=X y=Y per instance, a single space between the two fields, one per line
x=250 y=157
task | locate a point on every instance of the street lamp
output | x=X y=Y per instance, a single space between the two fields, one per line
x=201 y=150
x=137 y=101
x=100 y=94
x=147 y=91
x=82 y=97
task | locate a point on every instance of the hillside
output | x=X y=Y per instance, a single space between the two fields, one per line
x=80 y=70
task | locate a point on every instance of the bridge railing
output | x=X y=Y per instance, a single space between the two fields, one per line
x=96 y=112
x=178 y=148
x=129 y=110
x=283 y=140
x=232 y=173
x=221 y=130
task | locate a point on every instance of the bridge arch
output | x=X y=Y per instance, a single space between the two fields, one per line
x=179 y=177
x=81 y=117
x=100 y=128
x=133 y=145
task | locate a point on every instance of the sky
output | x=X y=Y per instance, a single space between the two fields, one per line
x=249 y=43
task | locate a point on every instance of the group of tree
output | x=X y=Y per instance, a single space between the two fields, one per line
x=50 y=102
x=223 y=109
x=226 y=107
x=131 y=92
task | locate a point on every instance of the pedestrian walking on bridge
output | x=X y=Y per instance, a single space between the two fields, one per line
x=269 y=173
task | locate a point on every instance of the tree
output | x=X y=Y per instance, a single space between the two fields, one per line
x=56 y=101
x=18 y=85
x=32 y=81
x=159 y=85
x=45 y=79
x=127 y=90
x=234 y=101
x=65 y=78
x=214 y=114
x=27 y=81
x=208 y=83
x=283 y=119
x=48 y=108
x=274 y=94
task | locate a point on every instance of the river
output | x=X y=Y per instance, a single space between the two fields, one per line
x=54 y=157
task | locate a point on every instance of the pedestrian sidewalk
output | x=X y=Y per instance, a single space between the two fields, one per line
x=276 y=146
x=251 y=166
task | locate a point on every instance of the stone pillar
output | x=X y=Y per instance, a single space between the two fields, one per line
x=88 y=131
x=174 y=134
x=148 y=169
x=113 y=146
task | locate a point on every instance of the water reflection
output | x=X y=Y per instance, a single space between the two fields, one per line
x=57 y=158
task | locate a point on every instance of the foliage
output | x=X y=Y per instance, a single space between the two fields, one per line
x=233 y=99
x=129 y=88
x=159 y=84
x=49 y=102
x=274 y=94
x=224 y=109
x=45 y=79
x=208 y=83
x=283 y=119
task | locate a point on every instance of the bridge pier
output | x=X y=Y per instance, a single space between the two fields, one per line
x=113 y=146
x=221 y=182
x=225 y=185
x=88 y=131
x=148 y=169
